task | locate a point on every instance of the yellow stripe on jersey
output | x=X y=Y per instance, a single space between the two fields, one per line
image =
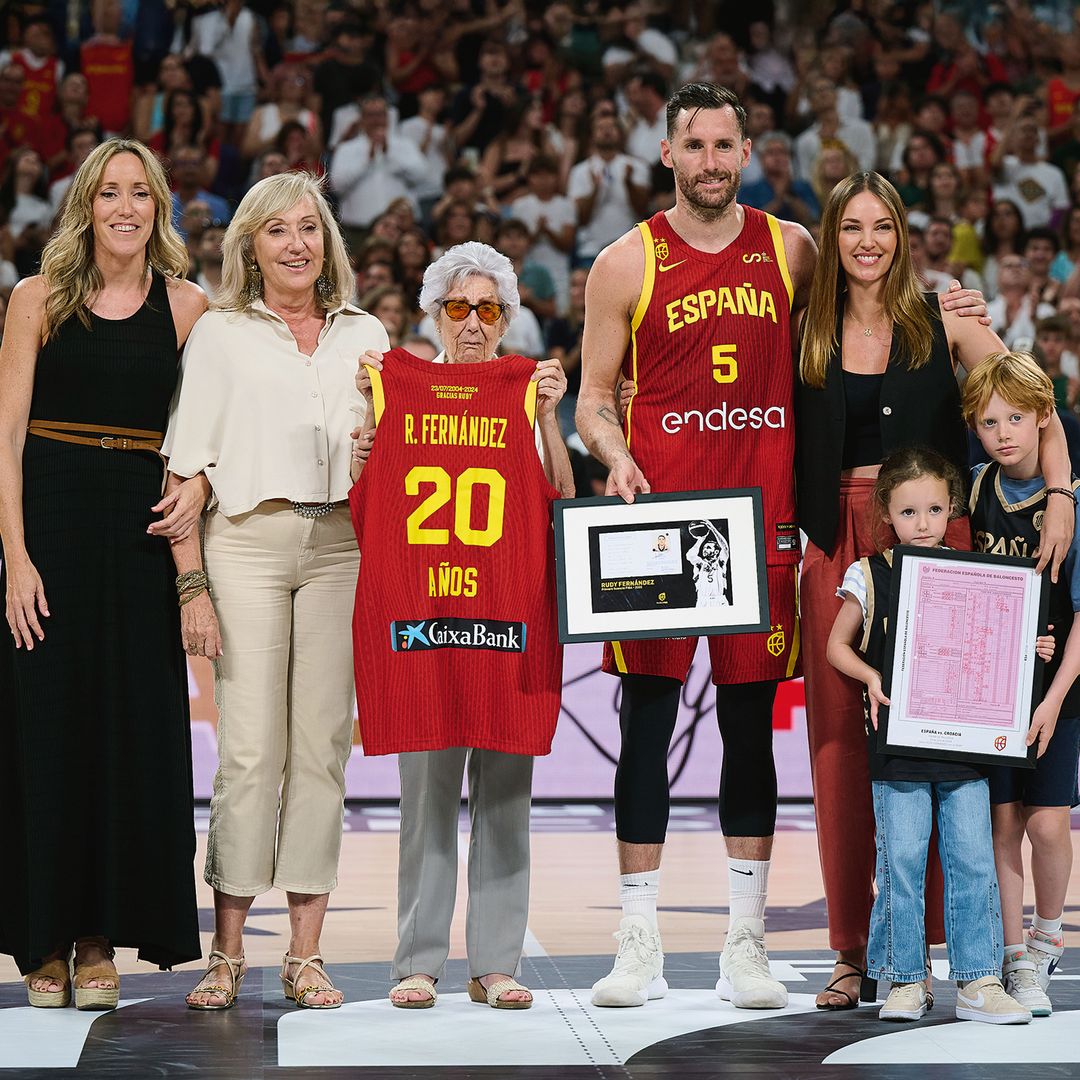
x=378 y=395
x=620 y=660
x=796 y=637
x=647 y=283
x=781 y=255
x=530 y=403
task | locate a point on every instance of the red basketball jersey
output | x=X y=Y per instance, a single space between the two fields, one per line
x=710 y=351
x=455 y=628
x=39 y=87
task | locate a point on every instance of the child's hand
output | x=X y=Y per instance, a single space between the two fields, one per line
x=1042 y=726
x=877 y=697
x=1044 y=646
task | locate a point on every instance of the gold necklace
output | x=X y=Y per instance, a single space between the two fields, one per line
x=868 y=331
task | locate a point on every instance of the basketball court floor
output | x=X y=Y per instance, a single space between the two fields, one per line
x=690 y=1034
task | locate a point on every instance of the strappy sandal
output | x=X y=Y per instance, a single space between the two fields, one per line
x=491 y=995
x=95 y=997
x=289 y=985
x=867 y=988
x=58 y=971
x=230 y=992
x=415 y=982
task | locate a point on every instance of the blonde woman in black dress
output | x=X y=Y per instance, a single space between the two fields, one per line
x=96 y=838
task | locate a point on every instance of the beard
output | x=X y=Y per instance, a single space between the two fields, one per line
x=704 y=203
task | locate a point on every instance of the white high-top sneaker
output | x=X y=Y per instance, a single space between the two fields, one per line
x=1020 y=976
x=745 y=980
x=638 y=974
x=1046 y=951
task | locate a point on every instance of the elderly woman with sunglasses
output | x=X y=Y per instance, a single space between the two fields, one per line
x=471 y=295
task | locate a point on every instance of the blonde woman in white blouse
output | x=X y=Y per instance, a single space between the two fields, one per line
x=266 y=404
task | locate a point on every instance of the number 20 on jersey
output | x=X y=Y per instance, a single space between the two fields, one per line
x=458 y=490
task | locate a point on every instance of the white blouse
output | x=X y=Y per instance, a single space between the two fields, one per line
x=260 y=418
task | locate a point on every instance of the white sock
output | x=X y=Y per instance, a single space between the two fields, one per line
x=1046 y=926
x=748 y=885
x=638 y=892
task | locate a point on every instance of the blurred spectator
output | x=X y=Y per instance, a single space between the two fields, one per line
x=892 y=124
x=348 y=73
x=1067 y=156
x=25 y=209
x=768 y=67
x=564 y=343
x=184 y=127
x=429 y=134
x=1068 y=257
x=638 y=44
x=149 y=112
x=1052 y=336
x=299 y=148
x=420 y=346
x=42 y=71
x=416 y=58
x=504 y=168
x=14 y=127
x=573 y=125
x=1037 y=187
x=721 y=64
x=455 y=222
x=107 y=60
x=646 y=117
x=187 y=172
x=535 y=284
x=209 y=259
x=958 y=66
x=944 y=195
x=373 y=275
x=834 y=162
x=856 y=135
x=1015 y=310
x=610 y=190
x=937 y=271
x=479 y=112
x=370 y=168
x=50 y=133
x=1063 y=90
x=277 y=42
x=269 y=164
x=80 y=142
x=1004 y=235
x=547 y=75
x=835 y=65
x=413 y=256
x=1041 y=246
x=922 y=153
x=387 y=303
x=551 y=219
x=970 y=142
x=779 y=192
x=229 y=36
x=290 y=89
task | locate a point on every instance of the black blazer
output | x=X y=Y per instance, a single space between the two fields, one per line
x=918 y=408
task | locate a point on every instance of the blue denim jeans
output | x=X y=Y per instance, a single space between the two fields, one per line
x=904 y=813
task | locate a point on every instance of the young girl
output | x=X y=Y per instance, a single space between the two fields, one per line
x=916 y=492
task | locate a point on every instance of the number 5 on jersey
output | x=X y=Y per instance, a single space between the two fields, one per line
x=443 y=493
x=725 y=366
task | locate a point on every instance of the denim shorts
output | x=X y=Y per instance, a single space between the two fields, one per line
x=1053 y=780
x=237 y=108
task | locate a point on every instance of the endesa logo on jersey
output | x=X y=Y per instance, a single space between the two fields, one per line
x=723 y=418
x=422 y=635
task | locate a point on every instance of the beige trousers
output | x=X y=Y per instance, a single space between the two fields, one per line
x=283 y=589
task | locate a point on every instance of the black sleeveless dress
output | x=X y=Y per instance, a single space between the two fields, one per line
x=96 y=831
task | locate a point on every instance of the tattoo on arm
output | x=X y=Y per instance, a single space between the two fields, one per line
x=605 y=412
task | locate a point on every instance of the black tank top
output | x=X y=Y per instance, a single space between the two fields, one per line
x=862 y=429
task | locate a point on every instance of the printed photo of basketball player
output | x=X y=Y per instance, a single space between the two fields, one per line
x=709 y=562
x=661 y=542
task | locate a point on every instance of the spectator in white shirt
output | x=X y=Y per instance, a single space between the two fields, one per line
x=640 y=44
x=371 y=167
x=646 y=96
x=970 y=143
x=229 y=35
x=1015 y=309
x=1037 y=187
x=856 y=135
x=610 y=189
x=432 y=140
x=552 y=220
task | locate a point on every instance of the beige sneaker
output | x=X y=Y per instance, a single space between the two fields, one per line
x=985 y=1000
x=906 y=1002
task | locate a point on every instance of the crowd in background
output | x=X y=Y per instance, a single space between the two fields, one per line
x=536 y=126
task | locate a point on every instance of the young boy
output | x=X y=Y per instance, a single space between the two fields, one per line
x=1008 y=400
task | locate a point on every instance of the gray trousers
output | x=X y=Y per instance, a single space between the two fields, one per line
x=500 y=789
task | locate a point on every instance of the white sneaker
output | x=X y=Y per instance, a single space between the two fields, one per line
x=985 y=1000
x=745 y=979
x=1020 y=976
x=906 y=1001
x=1045 y=950
x=638 y=974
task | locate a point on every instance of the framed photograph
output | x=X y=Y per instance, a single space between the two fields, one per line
x=961 y=669
x=673 y=564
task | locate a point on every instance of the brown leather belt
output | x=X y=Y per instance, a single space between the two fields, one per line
x=106 y=438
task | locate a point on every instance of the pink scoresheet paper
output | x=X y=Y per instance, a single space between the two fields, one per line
x=967 y=644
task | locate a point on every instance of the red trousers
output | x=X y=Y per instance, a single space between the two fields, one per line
x=834 y=718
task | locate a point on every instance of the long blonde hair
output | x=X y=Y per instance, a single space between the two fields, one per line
x=67 y=262
x=903 y=299
x=268 y=198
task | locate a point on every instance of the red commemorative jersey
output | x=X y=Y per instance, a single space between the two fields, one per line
x=710 y=351
x=455 y=632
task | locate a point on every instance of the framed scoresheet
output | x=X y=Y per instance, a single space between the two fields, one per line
x=673 y=564
x=961 y=669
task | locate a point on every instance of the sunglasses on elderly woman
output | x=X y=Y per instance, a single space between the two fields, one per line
x=488 y=311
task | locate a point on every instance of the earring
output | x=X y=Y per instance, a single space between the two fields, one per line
x=253 y=284
x=324 y=287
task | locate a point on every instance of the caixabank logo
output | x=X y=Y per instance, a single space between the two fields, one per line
x=423 y=635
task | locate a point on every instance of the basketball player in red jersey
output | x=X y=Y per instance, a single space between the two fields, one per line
x=695 y=307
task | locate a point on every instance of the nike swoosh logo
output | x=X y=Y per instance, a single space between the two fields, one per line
x=670 y=266
x=976 y=1002
x=745 y=873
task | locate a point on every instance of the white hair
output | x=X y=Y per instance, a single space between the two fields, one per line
x=463 y=261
